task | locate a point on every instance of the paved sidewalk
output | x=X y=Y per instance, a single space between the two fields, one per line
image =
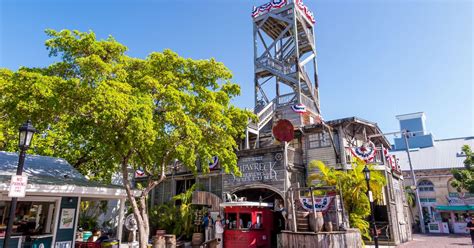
x=434 y=241
x=438 y=241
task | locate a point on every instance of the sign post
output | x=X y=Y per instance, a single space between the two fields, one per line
x=18 y=186
x=18 y=182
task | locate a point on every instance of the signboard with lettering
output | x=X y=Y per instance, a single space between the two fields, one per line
x=63 y=244
x=265 y=169
x=18 y=186
x=459 y=201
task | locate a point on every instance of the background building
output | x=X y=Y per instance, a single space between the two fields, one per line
x=444 y=208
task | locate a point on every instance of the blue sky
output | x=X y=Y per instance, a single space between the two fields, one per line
x=376 y=58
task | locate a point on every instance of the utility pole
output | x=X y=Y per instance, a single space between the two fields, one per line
x=405 y=134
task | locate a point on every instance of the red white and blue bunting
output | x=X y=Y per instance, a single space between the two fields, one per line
x=265 y=8
x=305 y=11
x=214 y=163
x=299 y=108
x=366 y=152
x=139 y=173
x=321 y=204
x=388 y=157
x=391 y=161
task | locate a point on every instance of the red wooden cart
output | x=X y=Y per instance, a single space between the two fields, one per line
x=248 y=224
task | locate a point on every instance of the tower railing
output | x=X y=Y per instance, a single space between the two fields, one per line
x=286 y=99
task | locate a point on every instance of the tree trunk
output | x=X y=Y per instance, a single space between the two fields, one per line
x=139 y=209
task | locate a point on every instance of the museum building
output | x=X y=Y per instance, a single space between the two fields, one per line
x=286 y=90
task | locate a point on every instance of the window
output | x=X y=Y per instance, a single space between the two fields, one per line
x=216 y=185
x=183 y=185
x=231 y=221
x=295 y=143
x=425 y=185
x=245 y=221
x=259 y=224
x=317 y=140
x=31 y=218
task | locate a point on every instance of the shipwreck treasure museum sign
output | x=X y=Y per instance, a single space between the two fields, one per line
x=258 y=170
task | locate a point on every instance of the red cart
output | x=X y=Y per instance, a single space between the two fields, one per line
x=248 y=224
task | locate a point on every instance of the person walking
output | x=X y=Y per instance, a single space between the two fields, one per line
x=219 y=231
x=211 y=227
x=207 y=224
x=470 y=227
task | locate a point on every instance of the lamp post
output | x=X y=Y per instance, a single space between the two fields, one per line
x=26 y=132
x=371 y=200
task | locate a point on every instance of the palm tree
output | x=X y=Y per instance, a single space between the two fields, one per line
x=353 y=186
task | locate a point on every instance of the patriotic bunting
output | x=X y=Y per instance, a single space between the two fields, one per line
x=305 y=11
x=139 y=173
x=276 y=4
x=265 y=8
x=391 y=161
x=215 y=162
x=299 y=108
x=321 y=203
x=366 y=152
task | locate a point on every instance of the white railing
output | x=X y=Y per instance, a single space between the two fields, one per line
x=275 y=64
x=309 y=103
x=286 y=99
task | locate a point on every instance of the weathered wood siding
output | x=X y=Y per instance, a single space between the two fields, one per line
x=325 y=154
x=350 y=238
x=206 y=198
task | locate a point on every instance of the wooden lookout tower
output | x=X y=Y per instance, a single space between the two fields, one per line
x=286 y=78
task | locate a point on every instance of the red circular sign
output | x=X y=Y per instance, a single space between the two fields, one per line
x=283 y=131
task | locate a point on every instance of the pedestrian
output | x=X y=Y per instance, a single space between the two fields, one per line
x=219 y=231
x=205 y=224
x=470 y=227
x=211 y=227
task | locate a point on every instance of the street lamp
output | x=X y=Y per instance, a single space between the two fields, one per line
x=371 y=200
x=26 y=132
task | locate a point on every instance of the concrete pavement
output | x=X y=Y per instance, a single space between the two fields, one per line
x=435 y=241
x=441 y=241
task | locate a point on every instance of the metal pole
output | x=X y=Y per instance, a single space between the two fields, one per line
x=417 y=195
x=313 y=207
x=372 y=216
x=19 y=171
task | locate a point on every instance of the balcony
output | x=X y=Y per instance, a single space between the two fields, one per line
x=378 y=158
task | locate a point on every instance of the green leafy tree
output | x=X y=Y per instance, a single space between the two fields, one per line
x=464 y=179
x=107 y=112
x=353 y=186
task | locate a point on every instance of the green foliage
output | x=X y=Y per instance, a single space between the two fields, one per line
x=464 y=179
x=89 y=213
x=178 y=220
x=97 y=105
x=105 y=112
x=410 y=196
x=353 y=186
